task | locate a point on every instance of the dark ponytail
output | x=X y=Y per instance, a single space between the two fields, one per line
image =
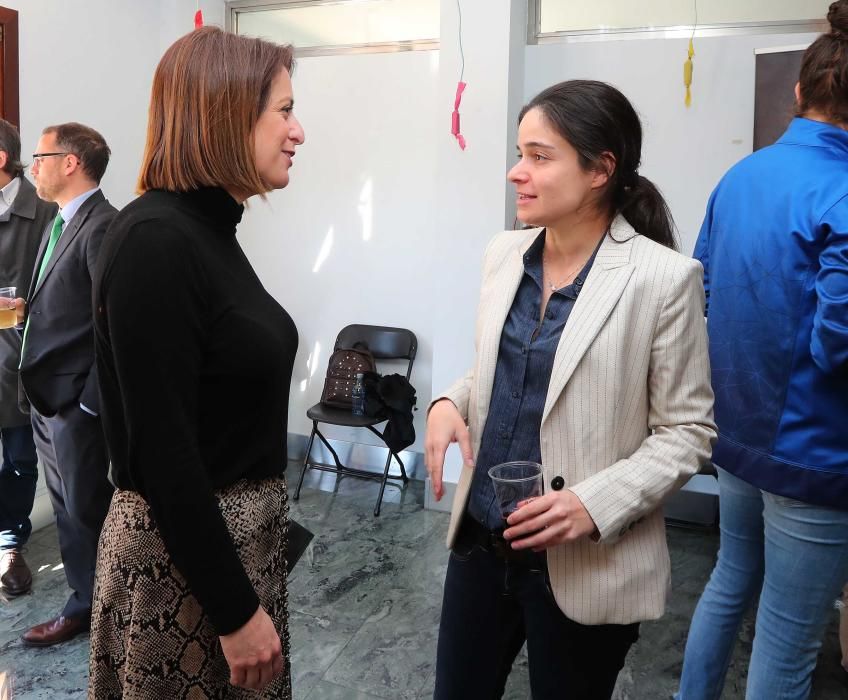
x=643 y=205
x=597 y=119
x=824 y=69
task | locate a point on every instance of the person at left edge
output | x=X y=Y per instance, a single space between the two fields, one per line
x=57 y=362
x=23 y=218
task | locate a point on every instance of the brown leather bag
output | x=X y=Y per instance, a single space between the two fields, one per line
x=344 y=365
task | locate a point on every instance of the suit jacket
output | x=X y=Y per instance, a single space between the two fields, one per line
x=20 y=235
x=627 y=417
x=57 y=367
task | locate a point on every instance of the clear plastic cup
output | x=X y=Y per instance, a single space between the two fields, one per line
x=8 y=314
x=515 y=482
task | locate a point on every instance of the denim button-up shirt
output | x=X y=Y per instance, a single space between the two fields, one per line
x=525 y=359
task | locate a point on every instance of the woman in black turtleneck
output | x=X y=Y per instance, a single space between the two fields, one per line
x=194 y=360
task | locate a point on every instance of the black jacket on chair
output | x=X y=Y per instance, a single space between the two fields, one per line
x=391 y=397
x=57 y=366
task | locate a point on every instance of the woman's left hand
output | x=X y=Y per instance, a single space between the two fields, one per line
x=20 y=305
x=549 y=520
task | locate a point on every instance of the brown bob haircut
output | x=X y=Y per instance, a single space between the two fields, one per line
x=208 y=92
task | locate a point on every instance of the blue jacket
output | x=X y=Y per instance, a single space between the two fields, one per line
x=774 y=246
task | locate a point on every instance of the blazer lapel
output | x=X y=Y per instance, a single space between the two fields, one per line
x=504 y=284
x=25 y=205
x=67 y=237
x=45 y=236
x=604 y=286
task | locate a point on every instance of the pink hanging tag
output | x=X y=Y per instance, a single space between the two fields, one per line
x=460 y=87
x=198 y=19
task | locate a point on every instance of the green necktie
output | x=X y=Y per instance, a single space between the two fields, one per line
x=55 y=232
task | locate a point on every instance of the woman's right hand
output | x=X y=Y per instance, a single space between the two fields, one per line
x=253 y=652
x=444 y=426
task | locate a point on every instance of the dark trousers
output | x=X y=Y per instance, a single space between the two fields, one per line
x=72 y=450
x=492 y=604
x=18 y=477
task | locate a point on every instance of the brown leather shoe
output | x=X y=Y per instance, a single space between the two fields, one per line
x=15 y=576
x=59 y=629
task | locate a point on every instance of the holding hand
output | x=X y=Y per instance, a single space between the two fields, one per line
x=19 y=309
x=549 y=520
x=253 y=652
x=444 y=426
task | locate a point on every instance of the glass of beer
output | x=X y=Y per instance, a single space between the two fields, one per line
x=8 y=314
x=515 y=482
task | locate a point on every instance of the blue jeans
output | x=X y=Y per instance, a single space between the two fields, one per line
x=18 y=477
x=491 y=606
x=795 y=556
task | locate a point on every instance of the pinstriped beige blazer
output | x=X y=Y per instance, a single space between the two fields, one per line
x=627 y=419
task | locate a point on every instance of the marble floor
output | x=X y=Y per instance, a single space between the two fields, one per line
x=365 y=606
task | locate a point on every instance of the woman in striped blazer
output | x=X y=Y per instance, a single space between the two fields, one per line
x=591 y=360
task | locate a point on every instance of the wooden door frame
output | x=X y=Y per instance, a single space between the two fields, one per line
x=11 y=96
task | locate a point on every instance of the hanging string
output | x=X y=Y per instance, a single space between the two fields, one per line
x=461 y=52
x=687 y=64
x=460 y=87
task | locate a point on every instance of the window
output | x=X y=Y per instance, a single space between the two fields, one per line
x=551 y=18
x=320 y=27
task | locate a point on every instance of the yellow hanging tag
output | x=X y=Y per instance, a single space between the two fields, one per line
x=687 y=74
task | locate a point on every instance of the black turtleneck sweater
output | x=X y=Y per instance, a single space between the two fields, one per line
x=194 y=360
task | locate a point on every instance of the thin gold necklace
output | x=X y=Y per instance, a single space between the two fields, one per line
x=554 y=285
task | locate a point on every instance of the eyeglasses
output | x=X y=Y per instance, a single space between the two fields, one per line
x=38 y=157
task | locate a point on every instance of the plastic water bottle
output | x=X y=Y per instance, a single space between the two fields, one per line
x=357 y=396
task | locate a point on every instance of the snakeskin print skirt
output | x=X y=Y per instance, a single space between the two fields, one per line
x=149 y=637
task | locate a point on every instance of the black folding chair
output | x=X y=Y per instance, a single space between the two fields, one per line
x=385 y=344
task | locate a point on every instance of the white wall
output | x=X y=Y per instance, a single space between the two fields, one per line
x=685 y=151
x=63 y=78
x=96 y=66
x=349 y=240
x=176 y=17
x=475 y=201
x=385 y=219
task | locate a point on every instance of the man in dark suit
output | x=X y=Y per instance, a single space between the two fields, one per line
x=23 y=218
x=57 y=361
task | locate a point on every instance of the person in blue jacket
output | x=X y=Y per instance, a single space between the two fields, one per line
x=774 y=246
